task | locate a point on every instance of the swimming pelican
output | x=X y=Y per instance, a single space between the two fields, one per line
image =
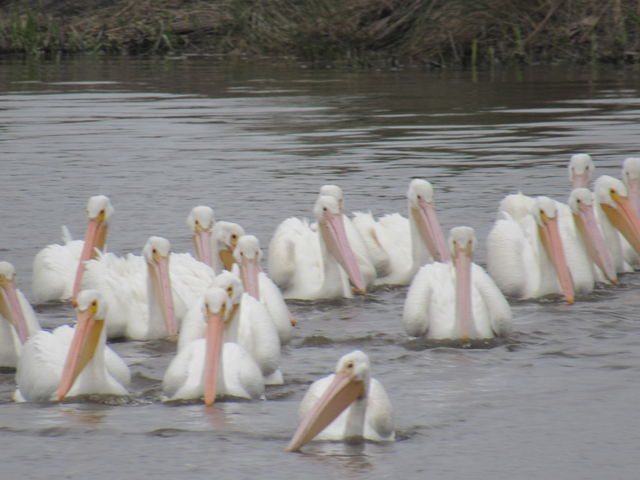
x=346 y=405
x=17 y=319
x=525 y=256
x=257 y=283
x=207 y=367
x=310 y=266
x=249 y=325
x=457 y=299
x=408 y=243
x=72 y=361
x=58 y=269
x=147 y=296
x=619 y=222
x=372 y=262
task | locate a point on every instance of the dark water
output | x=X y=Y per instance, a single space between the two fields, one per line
x=559 y=399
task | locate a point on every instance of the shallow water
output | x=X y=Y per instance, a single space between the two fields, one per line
x=558 y=399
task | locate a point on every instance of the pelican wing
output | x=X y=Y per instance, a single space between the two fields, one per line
x=379 y=417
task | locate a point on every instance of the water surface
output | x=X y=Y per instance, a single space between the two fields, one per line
x=558 y=399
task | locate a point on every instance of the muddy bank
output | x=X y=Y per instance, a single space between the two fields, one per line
x=436 y=33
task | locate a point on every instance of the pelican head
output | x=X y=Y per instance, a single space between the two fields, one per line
x=232 y=286
x=631 y=178
x=422 y=210
x=350 y=383
x=99 y=211
x=216 y=302
x=546 y=216
x=580 y=170
x=89 y=334
x=226 y=236
x=156 y=253
x=581 y=202
x=611 y=194
x=248 y=255
x=335 y=192
x=200 y=222
x=331 y=225
x=462 y=242
x=10 y=307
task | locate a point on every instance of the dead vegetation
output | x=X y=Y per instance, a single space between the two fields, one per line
x=356 y=32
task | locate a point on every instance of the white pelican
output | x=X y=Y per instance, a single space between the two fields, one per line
x=147 y=296
x=58 y=269
x=525 y=256
x=408 y=243
x=457 y=299
x=344 y=406
x=257 y=283
x=17 y=319
x=581 y=170
x=371 y=262
x=619 y=222
x=207 y=367
x=310 y=266
x=584 y=244
x=72 y=361
x=249 y=325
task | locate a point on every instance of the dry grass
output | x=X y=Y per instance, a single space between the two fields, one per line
x=435 y=32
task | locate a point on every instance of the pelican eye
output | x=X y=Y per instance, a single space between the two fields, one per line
x=102 y=212
x=350 y=365
x=154 y=251
x=612 y=191
x=197 y=222
x=94 y=304
x=234 y=236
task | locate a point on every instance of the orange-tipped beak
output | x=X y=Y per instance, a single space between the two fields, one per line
x=553 y=245
x=94 y=239
x=11 y=309
x=431 y=231
x=214 y=335
x=341 y=393
x=82 y=349
x=335 y=237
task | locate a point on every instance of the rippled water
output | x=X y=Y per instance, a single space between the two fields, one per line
x=556 y=400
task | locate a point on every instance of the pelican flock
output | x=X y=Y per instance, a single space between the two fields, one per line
x=228 y=318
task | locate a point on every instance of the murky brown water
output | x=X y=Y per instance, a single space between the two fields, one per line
x=558 y=400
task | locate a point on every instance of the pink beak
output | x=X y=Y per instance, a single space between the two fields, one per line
x=594 y=242
x=431 y=231
x=161 y=281
x=214 y=335
x=335 y=236
x=11 y=309
x=462 y=264
x=94 y=238
x=553 y=245
x=202 y=244
x=81 y=351
x=249 y=271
